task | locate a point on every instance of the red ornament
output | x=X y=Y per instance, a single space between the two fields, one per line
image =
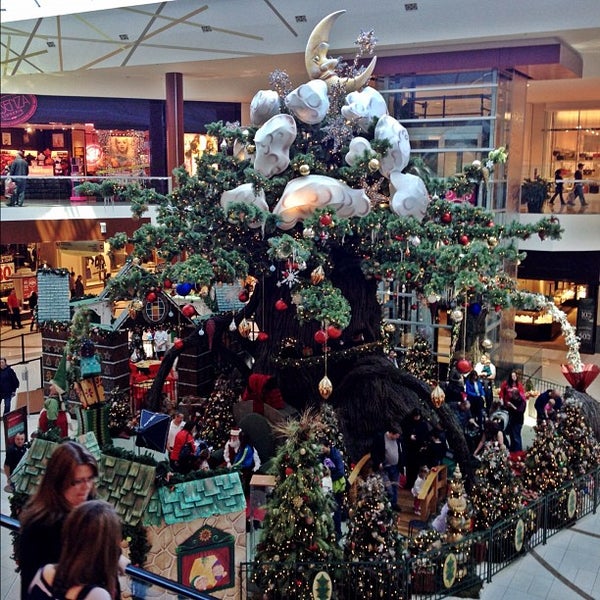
x=167 y=284
x=280 y=305
x=464 y=240
x=497 y=308
x=151 y=297
x=413 y=307
x=262 y=336
x=542 y=235
x=320 y=336
x=289 y=471
x=334 y=332
x=178 y=343
x=243 y=296
x=446 y=217
x=408 y=275
x=464 y=366
x=325 y=220
x=188 y=310
x=491 y=223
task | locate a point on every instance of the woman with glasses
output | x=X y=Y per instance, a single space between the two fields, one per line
x=69 y=481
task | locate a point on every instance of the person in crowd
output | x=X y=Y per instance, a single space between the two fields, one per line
x=511 y=383
x=487 y=375
x=14 y=309
x=69 y=480
x=476 y=396
x=203 y=456
x=18 y=171
x=542 y=401
x=244 y=461
x=558 y=187
x=161 y=342
x=33 y=302
x=516 y=417
x=78 y=289
x=386 y=455
x=338 y=479
x=467 y=423
x=393 y=357
x=182 y=459
x=417 y=487
x=72 y=280
x=14 y=453
x=232 y=445
x=455 y=388
x=493 y=432
x=9 y=384
x=578 y=189
x=549 y=410
x=438 y=446
x=440 y=522
x=415 y=441
x=175 y=426
x=89 y=563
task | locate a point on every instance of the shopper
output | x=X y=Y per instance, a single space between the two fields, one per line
x=9 y=384
x=69 y=480
x=14 y=309
x=33 y=302
x=18 y=171
x=88 y=567
x=578 y=189
x=558 y=187
x=15 y=452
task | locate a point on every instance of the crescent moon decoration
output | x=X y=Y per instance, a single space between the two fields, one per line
x=320 y=66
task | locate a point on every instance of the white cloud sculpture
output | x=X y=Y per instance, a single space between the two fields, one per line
x=396 y=158
x=309 y=102
x=363 y=107
x=273 y=141
x=410 y=197
x=245 y=193
x=264 y=105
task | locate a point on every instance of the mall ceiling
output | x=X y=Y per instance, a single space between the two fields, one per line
x=227 y=48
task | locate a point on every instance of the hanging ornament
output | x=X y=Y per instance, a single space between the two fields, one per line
x=137 y=305
x=304 y=170
x=178 y=344
x=446 y=217
x=320 y=336
x=232 y=325
x=487 y=343
x=437 y=396
x=317 y=275
x=326 y=220
x=281 y=305
x=475 y=308
x=308 y=233
x=167 y=284
x=245 y=327
x=250 y=148
x=389 y=328
x=188 y=310
x=374 y=165
x=183 y=289
x=457 y=315
x=464 y=366
x=243 y=296
x=464 y=240
x=433 y=298
x=492 y=241
x=151 y=297
x=325 y=387
x=334 y=332
x=262 y=336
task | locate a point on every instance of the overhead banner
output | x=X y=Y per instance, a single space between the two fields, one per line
x=86 y=248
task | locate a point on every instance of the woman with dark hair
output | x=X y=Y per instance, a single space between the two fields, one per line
x=475 y=396
x=89 y=562
x=183 y=454
x=69 y=481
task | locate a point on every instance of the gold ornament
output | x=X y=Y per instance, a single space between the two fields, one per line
x=304 y=170
x=457 y=315
x=245 y=327
x=137 y=305
x=389 y=328
x=250 y=148
x=308 y=233
x=437 y=396
x=325 y=387
x=317 y=275
x=373 y=165
x=492 y=241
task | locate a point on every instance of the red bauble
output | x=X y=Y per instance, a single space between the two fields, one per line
x=178 y=343
x=262 y=336
x=414 y=306
x=464 y=240
x=408 y=275
x=446 y=218
x=334 y=332
x=497 y=308
x=280 y=305
x=320 y=336
x=243 y=296
x=188 y=310
x=464 y=366
x=151 y=297
x=289 y=471
x=167 y=284
x=491 y=223
x=325 y=220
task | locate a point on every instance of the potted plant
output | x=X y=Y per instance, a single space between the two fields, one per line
x=535 y=192
x=109 y=189
x=86 y=191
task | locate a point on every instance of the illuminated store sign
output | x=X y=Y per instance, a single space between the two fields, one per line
x=17 y=108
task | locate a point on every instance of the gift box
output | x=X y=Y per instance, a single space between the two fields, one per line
x=90 y=391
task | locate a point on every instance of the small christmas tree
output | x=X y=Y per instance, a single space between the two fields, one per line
x=581 y=446
x=419 y=360
x=496 y=492
x=298 y=526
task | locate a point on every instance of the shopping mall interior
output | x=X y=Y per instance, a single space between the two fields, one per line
x=126 y=92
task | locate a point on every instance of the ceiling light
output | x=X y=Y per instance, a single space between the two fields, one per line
x=411 y=6
x=206 y=28
x=300 y=18
x=123 y=36
x=50 y=44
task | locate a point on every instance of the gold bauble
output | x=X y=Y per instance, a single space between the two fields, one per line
x=492 y=241
x=389 y=328
x=245 y=327
x=250 y=148
x=317 y=275
x=137 y=305
x=373 y=165
x=325 y=387
x=304 y=170
x=437 y=396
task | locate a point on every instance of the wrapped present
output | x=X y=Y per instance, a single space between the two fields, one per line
x=90 y=391
x=90 y=366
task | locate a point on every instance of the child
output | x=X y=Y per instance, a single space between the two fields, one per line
x=549 y=410
x=417 y=487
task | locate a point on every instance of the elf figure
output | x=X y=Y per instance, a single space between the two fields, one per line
x=54 y=414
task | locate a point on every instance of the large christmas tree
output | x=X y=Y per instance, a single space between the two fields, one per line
x=312 y=205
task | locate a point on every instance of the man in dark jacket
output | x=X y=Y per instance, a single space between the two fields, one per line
x=386 y=456
x=18 y=171
x=9 y=383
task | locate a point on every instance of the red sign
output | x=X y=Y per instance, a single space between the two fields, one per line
x=17 y=108
x=7 y=269
x=29 y=285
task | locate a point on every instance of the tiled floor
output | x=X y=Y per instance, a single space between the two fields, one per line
x=567 y=568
